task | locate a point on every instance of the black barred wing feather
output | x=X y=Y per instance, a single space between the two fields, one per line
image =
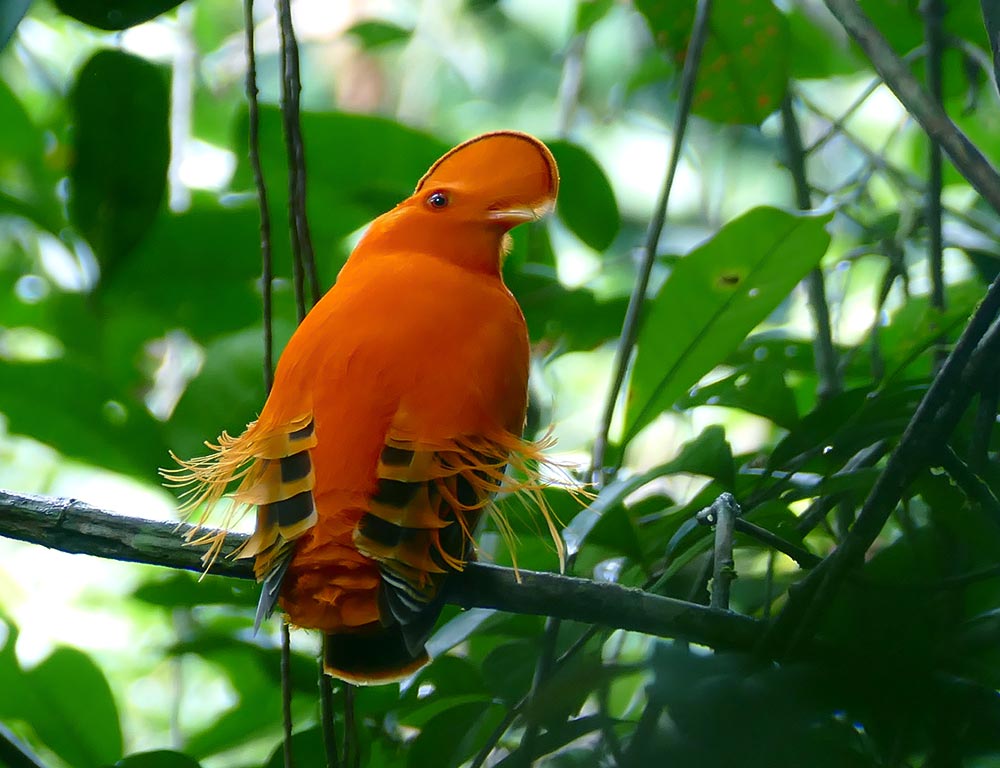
x=271 y=469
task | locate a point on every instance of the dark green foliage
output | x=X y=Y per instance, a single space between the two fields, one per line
x=121 y=147
x=147 y=337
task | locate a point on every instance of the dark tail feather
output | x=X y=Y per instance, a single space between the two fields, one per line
x=373 y=657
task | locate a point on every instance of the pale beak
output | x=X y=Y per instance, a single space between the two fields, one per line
x=513 y=216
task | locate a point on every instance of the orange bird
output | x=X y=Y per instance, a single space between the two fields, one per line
x=396 y=410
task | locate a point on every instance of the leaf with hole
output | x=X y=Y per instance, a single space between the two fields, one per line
x=713 y=298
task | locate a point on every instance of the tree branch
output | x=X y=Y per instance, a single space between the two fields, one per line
x=930 y=427
x=72 y=526
x=918 y=102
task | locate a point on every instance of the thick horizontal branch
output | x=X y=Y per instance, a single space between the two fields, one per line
x=72 y=526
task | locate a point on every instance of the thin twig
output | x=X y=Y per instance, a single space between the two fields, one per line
x=970 y=162
x=286 y=694
x=933 y=11
x=303 y=258
x=826 y=357
x=837 y=126
x=985 y=421
x=722 y=514
x=802 y=557
x=326 y=720
x=543 y=668
x=267 y=269
x=975 y=488
x=352 y=751
x=630 y=328
x=571 y=83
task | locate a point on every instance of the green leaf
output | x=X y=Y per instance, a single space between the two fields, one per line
x=757 y=388
x=452 y=736
x=709 y=454
x=744 y=66
x=845 y=423
x=815 y=52
x=115 y=14
x=11 y=676
x=120 y=107
x=586 y=201
x=589 y=12
x=713 y=298
x=574 y=318
x=161 y=758
x=376 y=34
x=456 y=631
x=307 y=748
x=71 y=708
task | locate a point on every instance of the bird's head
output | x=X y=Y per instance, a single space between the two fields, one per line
x=466 y=203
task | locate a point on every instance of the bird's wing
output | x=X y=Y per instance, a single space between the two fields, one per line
x=420 y=521
x=272 y=469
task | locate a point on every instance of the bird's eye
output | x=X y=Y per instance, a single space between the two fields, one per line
x=437 y=200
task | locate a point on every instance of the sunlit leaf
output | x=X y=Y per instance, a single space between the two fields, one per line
x=713 y=298
x=70 y=706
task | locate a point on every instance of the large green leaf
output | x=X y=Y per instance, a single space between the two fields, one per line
x=744 y=65
x=69 y=704
x=307 y=749
x=115 y=14
x=713 y=298
x=586 y=201
x=121 y=143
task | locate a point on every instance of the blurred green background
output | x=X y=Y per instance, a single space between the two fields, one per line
x=130 y=326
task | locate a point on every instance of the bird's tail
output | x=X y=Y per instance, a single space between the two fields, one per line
x=372 y=657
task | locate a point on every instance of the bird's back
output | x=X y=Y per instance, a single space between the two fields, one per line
x=414 y=373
